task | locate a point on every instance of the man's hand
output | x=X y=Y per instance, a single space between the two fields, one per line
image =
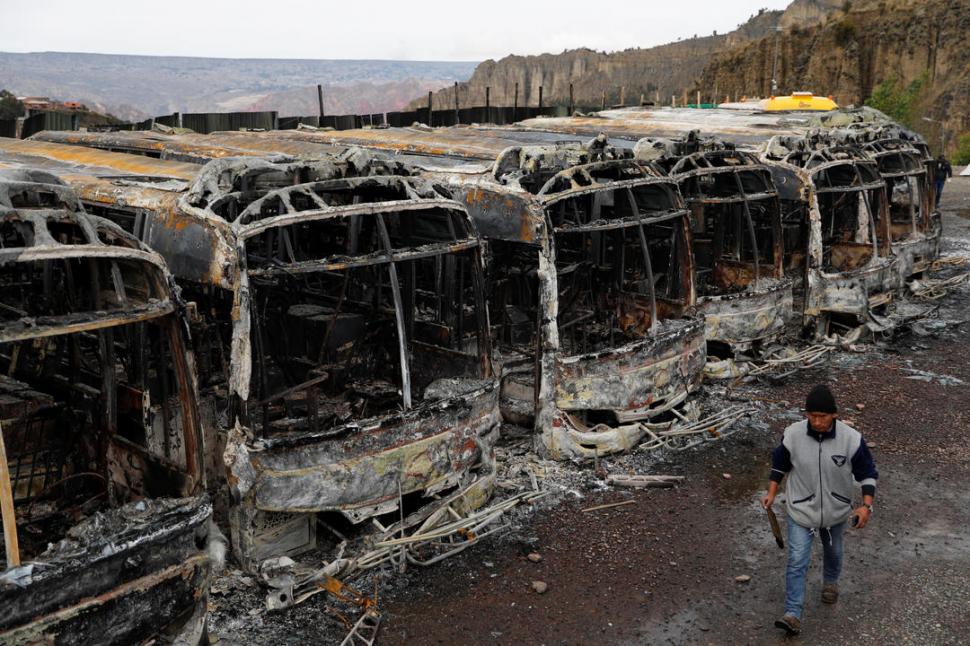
x=769 y=497
x=862 y=513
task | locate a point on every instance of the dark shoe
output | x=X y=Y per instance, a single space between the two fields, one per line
x=830 y=593
x=791 y=625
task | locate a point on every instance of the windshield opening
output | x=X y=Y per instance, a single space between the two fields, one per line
x=906 y=199
x=363 y=315
x=620 y=259
x=733 y=219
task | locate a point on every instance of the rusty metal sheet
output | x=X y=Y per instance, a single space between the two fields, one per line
x=193 y=147
x=94 y=158
x=737 y=123
x=447 y=142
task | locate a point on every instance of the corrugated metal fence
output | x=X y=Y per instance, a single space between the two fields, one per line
x=48 y=121
x=206 y=122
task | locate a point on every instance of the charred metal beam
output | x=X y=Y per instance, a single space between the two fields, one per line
x=648 y=262
x=750 y=221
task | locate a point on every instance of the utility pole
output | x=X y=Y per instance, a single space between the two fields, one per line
x=942 y=133
x=515 y=104
x=320 y=101
x=457 y=118
x=774 y=64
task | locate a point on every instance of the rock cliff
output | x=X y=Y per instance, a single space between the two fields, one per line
x=851 y=52
x=661 y=71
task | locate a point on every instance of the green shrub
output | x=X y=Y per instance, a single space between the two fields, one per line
x=899 y=101
x=961 y=156
x=10 y=107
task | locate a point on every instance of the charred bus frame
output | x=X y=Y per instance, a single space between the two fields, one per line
x=836 y=224
x=99 y=422
x=915 y=227
x=737 y=241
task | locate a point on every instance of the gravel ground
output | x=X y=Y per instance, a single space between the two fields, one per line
x=662 y=569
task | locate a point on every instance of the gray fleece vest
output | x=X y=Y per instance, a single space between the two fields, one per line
x=820 y=483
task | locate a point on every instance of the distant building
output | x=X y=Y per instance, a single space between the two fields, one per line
x=36 y=102
x=43 y=103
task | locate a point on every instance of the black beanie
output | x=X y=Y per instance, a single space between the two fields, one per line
x=820 y=400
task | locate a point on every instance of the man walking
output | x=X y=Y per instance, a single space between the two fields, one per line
x=821 y=457
x=943 y=172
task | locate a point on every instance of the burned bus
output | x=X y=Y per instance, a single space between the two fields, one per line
x=907 y=168
x=836 y=227
x=101 y=448
x=737 y=241
x=340 y=330
x=591 y=289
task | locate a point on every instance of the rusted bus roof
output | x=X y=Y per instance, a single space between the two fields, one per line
x=719 y=161
x=45 y=198
x=90 y=159
x=465 y=143
x=220 y=178
x=270 y=142
x=597 y=176
x=191 y=148
x=40 y=221
x=748 y=126
x=194 y=247
x=739 y=125
x=814 y=155
x=817 y=161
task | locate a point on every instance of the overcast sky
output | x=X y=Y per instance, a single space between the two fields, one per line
x=374 y=29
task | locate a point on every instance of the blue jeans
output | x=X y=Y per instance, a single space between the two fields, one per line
x=939 y=191
x=799 y=555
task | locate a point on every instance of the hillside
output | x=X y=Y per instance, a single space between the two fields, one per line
x=667 y=69
x=851 y=54
x=140 y=86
